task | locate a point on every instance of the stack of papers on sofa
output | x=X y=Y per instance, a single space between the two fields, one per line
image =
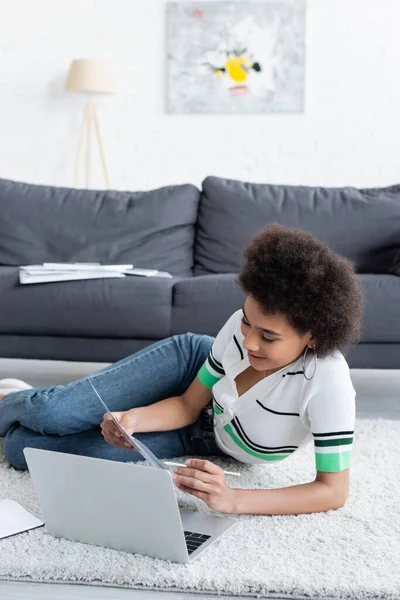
x=50 y=272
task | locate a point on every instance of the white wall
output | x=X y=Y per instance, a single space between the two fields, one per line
x=349 y=133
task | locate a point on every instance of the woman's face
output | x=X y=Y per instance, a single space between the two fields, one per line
x=278 y=346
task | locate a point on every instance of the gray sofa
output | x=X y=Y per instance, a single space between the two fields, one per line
x=199 y=236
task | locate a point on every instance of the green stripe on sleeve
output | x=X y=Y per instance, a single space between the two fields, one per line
x=336 y=442
x=332 y=463
x=206 y=378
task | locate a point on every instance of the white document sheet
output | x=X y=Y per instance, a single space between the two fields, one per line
x=15 y=519
x=142 y=448
x=133 y=442
x=28 y=277
x=86 y=267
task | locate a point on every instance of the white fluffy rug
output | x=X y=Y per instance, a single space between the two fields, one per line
x=353 y=552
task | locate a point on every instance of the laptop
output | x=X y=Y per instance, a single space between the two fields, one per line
x=117 y=505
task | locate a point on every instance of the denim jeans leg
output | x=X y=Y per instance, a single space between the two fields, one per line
x=41 y=417
x=164 y=444
x=159 y=371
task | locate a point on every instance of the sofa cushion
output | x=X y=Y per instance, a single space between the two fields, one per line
x=153 y=229
x=386 y=260
x=381 y=320
x=204 y=304
x=356 y=223
x=129 y=307
x=76 y=349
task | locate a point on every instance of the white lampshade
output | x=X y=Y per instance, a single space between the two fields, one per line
x=91 y=76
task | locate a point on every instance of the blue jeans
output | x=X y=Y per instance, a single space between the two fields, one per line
x=66 y=418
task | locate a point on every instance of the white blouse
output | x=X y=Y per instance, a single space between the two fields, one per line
x=282 y=412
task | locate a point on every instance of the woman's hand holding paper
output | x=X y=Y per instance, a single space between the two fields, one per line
x=110 y=431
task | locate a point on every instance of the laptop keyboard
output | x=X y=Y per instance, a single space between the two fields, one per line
x=194 y=540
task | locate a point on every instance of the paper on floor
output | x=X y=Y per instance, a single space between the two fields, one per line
x=15 y=519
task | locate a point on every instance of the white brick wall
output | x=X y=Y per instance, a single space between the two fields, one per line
x=349 y=133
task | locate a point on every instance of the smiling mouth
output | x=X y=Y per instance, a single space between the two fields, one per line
x=254 y=355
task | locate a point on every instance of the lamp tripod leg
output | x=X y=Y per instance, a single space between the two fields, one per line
x=102 y=155
x=80 y=147
x=88 y=144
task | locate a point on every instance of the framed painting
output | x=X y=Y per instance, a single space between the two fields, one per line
x=236 y=57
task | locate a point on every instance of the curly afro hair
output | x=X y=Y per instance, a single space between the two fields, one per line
x=289 y=272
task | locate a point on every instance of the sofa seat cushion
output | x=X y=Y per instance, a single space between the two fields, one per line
x=153 y=229
x=381 y=322
x=356 y=223
x=76 y=349
x=130 y=307
x=203 y=304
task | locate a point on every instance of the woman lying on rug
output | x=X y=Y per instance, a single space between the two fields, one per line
x=257 y=392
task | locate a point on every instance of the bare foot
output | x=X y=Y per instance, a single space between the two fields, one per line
x=2 y=396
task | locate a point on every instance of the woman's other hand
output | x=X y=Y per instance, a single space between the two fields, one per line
x=205 y=480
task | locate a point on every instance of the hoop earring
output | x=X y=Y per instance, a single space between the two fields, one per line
x=304 y=361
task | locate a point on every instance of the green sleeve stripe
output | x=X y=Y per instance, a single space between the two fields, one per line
x=337 y=442
x=206 y=378
x=333 y=463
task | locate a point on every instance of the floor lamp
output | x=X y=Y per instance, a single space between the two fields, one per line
x=91 y=77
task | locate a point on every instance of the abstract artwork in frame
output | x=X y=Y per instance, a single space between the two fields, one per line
x=236 y=57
